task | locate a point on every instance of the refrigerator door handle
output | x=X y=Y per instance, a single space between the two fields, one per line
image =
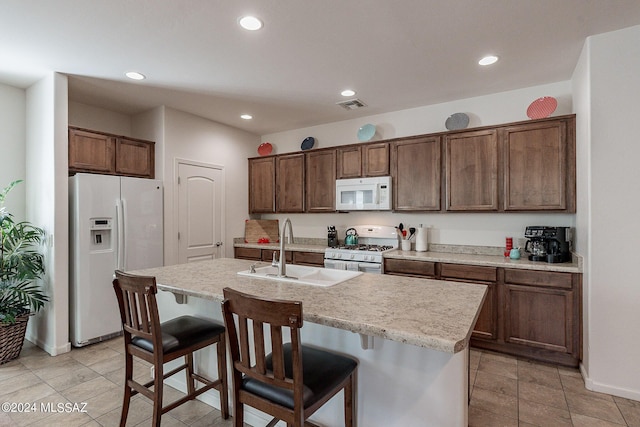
x=120 y=247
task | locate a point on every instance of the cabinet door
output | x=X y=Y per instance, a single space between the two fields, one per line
x=91 y=152
x=375 y=159
x=486 y=326
x=262 y=185
x=539 y=317
x=471 y=163
x=248 y=253
x=321 y=181
x=403 y=267
x=349 y=161
x=135 y=157
x=415 y=172
x=538 y=174
x=290 y=183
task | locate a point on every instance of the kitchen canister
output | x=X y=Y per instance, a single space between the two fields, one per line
x=422 y=240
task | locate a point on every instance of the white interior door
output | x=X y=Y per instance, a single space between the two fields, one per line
x=200 y=212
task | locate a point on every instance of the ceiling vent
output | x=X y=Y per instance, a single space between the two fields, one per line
x=351 y=104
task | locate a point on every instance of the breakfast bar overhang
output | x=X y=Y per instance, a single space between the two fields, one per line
x=409 y=335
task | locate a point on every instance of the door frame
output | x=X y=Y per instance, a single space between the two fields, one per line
x=177 y=161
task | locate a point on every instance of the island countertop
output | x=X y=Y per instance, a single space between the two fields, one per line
x=434 y=314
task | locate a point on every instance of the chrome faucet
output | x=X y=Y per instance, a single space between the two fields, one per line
x=282 y=268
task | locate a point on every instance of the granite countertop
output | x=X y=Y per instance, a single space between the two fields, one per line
x=434 y=314
x=454 y=254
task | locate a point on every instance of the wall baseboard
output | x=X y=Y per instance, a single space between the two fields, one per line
x=52 y=350
x=592 y=385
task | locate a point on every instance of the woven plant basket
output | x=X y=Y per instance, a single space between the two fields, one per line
x=11 y=339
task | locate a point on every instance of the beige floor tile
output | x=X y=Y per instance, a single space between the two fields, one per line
x=73 y=378
x=43 y=408
x=6 y=421
x=541 y=394
x=534 y=364
x=90 y=355
x=497 y=367
x=105 y=402
x=478 y=417
x=474 y=359
x=111 y=364
x=630 y=410
x=594 y=407
x=139 y=411
x=542 y=415
x=12 y=369
x=496 y=383
x=88 y=389
x=498 y=403
x=576 y=386
x=585 y=421
x=570 y=372
x=545 y=377
x=498 y=357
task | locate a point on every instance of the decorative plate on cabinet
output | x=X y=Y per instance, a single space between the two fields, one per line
x=307 y=143
x=366 y=132
x=264 y=149
x=457 y=121
x=542 y=107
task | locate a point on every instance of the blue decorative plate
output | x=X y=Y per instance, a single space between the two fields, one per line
x=457 y=121
x=366 y=132
x=307 y=143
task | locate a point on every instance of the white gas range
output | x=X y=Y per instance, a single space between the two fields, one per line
x=366 y=256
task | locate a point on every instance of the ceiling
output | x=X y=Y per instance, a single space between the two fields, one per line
x=396 y=54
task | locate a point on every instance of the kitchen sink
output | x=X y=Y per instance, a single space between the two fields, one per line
x=305 y=275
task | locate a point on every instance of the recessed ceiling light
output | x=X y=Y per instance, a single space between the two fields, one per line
x=250 y=23
x=488 y=60
x=134 y=75
x=246 y=116
x=348 y=92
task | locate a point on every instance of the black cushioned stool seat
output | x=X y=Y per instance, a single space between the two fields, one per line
x=322 y=371
x=182 y=332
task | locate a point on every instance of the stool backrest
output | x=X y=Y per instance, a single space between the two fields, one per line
x=276 y=315
x=138 y=307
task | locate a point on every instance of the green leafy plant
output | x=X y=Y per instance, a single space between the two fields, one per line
x=21 y=264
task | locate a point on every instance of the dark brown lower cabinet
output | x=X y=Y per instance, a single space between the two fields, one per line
x=291 y=257
x=487 y=324
x=528 y=313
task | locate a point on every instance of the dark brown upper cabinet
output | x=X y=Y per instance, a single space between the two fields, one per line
x=290 y=183
x=471 y=165
x=415 y=174
x=262 y=185
x=321 y=181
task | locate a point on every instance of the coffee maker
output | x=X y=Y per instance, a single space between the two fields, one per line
x=548 y=244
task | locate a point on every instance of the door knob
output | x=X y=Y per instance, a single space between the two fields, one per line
x=218 y=244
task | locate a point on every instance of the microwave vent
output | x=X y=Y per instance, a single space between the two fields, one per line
x=351 y=104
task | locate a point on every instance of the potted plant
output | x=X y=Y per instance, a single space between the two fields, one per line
x=21 y=264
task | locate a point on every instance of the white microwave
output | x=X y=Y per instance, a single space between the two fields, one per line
x=364 y=194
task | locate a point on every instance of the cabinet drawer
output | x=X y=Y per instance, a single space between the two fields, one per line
x=539 y=278
x=309 y=258
x=468 y=272
x=248 y=253
x=267 y=255
x=409 y=268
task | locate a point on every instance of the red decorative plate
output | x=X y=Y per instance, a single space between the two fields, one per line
x=264 y=149
x=542 y=107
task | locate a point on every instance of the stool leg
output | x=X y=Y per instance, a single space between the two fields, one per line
x=157 y=394
x=191 y=388
x=349 y=397
x=126 y=399
x=222 y=375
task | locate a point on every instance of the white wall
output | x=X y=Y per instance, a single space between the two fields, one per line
x=99 y=119
x=46 y=204
x=613 y=61
x=582 y=105
x=12 y=151
x=482 y=229
x=194 y=138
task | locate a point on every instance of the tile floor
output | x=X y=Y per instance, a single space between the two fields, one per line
x=506 y=391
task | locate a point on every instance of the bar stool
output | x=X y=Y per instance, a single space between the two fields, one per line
x=158 y=343
x=292 y=382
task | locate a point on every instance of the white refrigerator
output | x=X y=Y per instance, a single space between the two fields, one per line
x=114 y=223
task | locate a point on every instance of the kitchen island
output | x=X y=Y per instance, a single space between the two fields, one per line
x=410 y=335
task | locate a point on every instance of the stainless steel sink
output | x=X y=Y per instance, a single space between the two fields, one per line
x=302 y=274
